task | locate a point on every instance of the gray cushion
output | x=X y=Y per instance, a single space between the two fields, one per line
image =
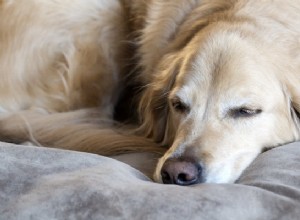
x=41 y=183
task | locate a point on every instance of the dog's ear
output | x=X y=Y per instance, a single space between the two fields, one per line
x=153 y=107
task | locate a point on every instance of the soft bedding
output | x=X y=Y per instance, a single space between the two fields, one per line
x=41 y=183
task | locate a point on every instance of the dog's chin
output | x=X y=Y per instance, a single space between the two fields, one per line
x=230 y=170
x=222 y=178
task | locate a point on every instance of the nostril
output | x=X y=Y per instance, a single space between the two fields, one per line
x=191 y=174
x=185 y=177
x=166 y=178
x=182 y=178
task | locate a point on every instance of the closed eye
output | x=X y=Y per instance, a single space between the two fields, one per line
x=179 y=106
x=244 y=112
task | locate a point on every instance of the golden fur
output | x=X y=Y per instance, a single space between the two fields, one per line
x=220 y=78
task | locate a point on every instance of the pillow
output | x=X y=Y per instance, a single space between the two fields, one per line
x=42 y=183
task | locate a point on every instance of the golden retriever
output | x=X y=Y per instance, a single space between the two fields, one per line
x=220 y=79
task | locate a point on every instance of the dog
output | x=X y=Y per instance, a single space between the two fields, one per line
x=219 y=79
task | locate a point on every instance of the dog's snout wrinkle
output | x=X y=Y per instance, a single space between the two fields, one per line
x=181 y=171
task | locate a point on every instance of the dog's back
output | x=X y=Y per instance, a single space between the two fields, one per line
x=62 y=70
x=61 y=55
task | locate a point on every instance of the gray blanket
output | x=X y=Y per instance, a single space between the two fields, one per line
x=41 y=183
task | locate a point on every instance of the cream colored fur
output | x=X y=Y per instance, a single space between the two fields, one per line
x=234 y=66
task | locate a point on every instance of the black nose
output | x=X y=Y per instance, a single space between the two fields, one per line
x=181 y=172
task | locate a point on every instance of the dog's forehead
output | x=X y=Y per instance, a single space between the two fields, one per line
x=226 y=73
x=205 y=62
x=203 y=75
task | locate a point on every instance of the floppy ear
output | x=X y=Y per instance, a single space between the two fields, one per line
x=153 y=107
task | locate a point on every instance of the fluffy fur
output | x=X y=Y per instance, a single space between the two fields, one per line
x=220 y=77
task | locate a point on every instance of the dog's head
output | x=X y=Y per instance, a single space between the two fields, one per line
x=217 y=103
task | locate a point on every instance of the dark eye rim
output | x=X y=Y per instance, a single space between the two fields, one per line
x=179 y=106
x=245 y=112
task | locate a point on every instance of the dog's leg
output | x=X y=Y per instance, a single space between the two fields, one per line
x=83 y=130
